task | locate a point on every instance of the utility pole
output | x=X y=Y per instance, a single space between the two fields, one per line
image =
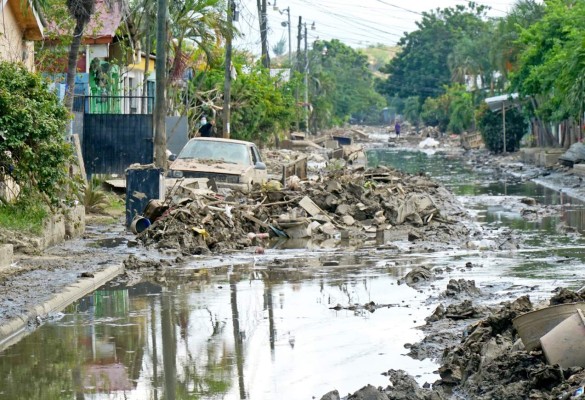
x=227 y=86
x=306 y=84
x=299 y=37
x=263 y=32
x=298 y=68
x=289 y=45
x=160 y=106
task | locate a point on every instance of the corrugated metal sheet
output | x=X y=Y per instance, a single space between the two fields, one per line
x=112 y=142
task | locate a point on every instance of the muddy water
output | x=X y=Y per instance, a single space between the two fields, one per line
x=277 y=325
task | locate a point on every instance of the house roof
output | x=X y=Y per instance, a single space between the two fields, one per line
x=27 y=18
x=497 y=102
x=102 y=26
x=104 y=22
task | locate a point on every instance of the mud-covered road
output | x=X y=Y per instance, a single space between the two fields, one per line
x=420 y=308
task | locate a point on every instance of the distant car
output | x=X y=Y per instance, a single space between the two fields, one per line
x=230 y=163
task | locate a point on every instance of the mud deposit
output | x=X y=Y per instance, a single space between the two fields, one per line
x=421 y=311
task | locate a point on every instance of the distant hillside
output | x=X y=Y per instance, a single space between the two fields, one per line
x=379 y=55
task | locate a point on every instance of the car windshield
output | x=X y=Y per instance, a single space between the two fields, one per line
x=209 y=150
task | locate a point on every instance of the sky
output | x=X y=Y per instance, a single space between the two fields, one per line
x=357 y=23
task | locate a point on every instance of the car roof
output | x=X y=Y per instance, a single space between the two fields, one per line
x=213 y=139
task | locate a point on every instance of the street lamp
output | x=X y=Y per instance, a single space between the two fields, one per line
x=287 y=23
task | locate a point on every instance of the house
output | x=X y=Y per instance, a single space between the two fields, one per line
x=110 y=69
x=20 y=25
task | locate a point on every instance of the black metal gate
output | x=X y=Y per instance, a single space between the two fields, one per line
x=111 y=142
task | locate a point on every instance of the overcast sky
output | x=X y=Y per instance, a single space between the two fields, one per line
x=358 y=23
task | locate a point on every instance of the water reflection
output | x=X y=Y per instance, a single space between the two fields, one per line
x=270 y=328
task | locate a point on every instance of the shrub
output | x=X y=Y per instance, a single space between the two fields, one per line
x=491 y=127
x=33 y=148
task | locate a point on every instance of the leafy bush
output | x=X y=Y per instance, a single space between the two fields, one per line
x=33 y=149
x=412 y=110
x=94 y=198
x=435 y=112
x=491 y=127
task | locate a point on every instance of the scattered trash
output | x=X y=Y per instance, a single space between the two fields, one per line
x=535 y=324
x=139 y=224
x=565 y=343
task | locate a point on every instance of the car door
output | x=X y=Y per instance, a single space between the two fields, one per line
x=260 y=175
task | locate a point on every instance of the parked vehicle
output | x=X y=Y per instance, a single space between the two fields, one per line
x=230 y=163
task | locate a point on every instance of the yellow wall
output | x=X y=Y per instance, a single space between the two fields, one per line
x=141 y=66
x=12 y=46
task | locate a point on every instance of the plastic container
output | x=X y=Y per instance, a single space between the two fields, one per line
x=535 y=324
x=565 y=343
x=139 y=224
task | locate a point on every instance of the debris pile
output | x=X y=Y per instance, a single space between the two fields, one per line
x=339 y=203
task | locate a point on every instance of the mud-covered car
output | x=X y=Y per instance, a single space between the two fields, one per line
x=229 y=163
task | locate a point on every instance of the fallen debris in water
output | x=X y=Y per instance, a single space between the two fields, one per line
x=358 y=201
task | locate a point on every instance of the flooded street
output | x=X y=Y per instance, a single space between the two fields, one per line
x=301 y=319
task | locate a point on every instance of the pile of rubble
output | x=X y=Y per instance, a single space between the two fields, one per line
x=337 y=204
x=491 y=360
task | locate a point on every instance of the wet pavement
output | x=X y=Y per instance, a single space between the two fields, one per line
x=294 y=323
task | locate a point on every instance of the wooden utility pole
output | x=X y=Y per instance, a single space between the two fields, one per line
x=298 y=68
x=227 y=86
x=263 y=32
x=306 y=105
x=299 y=38
x=160 y=106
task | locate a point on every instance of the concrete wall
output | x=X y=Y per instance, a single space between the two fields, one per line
x=57 y=229
x=543 y=157
x=11 y=43
x=69 y=225
x=9 y=189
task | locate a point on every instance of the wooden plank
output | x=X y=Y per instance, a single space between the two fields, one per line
x=297 y=167
x=313 y=209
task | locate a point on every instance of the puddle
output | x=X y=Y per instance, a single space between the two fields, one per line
x=245 y=326
x=110 y=242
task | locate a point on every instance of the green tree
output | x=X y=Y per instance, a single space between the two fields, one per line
x=340 y=85
x=551 y=65
x=81 y=11
x=33 y=150
x=280 y=47
x=490 y=125
x=412 y=110
x=421 y=68
x=450 y=112
x=506 y=46
x=261 y=105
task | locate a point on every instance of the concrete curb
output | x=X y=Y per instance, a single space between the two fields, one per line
x=16 y=328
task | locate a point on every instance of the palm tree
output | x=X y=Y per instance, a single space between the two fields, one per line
x=81 y=11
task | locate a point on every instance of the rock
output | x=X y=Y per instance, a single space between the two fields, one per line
x=437 y=315
x=528 y=201
x=417 y=275
x=463 y=310
x=348 y=220
x=369 y=393
x=455 y=288
x=404 y=387
x=328 y=229
x=333 y=395
x=343 y=209
x=414 y=236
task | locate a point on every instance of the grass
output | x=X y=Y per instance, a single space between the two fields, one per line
x=23 y=217
x=116 y=205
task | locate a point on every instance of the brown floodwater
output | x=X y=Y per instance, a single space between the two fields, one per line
x=290 y=323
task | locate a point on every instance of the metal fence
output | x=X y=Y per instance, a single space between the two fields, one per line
x=113 y=104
